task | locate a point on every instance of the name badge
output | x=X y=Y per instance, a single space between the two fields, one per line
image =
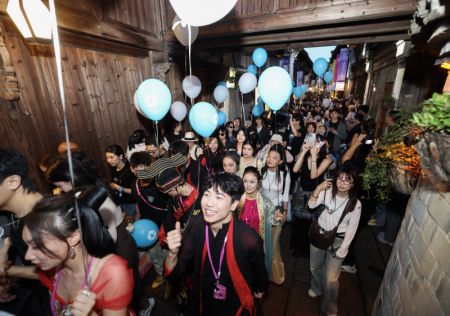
x=220 y=292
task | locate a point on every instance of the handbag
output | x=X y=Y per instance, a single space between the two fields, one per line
x=299 y=202
x=321 y=238
x=277 y=273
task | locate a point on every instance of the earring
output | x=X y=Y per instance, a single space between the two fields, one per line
x=72 y=252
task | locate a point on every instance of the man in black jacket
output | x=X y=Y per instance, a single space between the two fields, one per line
x=228 y=256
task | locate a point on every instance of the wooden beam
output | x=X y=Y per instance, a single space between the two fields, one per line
x=72 y=39
x=88 y=24
x=320 y=43
x=302 y=16
x=330 y=32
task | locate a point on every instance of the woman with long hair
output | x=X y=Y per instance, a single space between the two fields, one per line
x=122 y=179
x=76 y=263
x=276 y=179
x=136 y=142
x=213 y=154
x=258 y=212
x=241 y=137
x=342 y=210
x=248 y=157
x=312 y=163
x=223 y=137
x=230 y=162
x=230 y=133
x=84 y=177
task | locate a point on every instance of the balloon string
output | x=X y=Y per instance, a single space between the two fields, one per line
x=243 y=111
x=157 y=137
x=275 y=119
x=189 y=37
x=57 y=48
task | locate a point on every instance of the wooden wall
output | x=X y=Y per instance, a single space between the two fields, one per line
x=99 y=89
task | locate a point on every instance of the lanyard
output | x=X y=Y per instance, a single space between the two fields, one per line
x=146 y=201
x=56 y=283
x=216 y=274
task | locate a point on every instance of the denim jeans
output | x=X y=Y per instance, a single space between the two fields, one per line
x=325 y=270
x=157 y=255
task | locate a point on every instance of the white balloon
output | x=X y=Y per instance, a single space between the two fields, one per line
x=247 y=82
x=326 y=103
x=192 y=86
x=221 y=94
x=182 y=32
x=201 y=12
x=178 y=110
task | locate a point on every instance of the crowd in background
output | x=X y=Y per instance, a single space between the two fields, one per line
x=301 y=166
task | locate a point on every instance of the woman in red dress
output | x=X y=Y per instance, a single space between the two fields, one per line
x=75 y=263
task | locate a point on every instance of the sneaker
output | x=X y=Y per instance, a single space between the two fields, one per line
x=312 y=294
x=381 y=239
x=148 y=310
x=349 y=269
x=157 y=282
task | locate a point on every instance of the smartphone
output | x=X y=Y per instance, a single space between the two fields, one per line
x=320 y=144
x=369 y=141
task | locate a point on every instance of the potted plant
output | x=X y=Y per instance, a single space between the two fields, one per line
x=394 y=165
x=434 y=139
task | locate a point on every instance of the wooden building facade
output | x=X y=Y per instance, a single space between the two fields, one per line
x=109 y=47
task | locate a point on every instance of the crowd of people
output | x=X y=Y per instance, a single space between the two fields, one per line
x=220 y=205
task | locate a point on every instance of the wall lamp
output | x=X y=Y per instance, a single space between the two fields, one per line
x=32 y=18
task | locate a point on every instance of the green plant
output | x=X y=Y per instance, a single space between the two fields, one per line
x=435 y=115
x=390 y=153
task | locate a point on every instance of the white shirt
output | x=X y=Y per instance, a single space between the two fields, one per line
x=273 y=189
x=136 y=148
x=329 y=221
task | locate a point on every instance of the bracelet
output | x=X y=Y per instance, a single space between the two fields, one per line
x=121 y=189
x=316 y=197
x=313 y=160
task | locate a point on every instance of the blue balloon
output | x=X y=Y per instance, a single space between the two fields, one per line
x=257 y=110
x=154 y=99
x=275 y=87
x=259 y=57
x=222 y=83
x=259 y=100
x=328 y=76
x=222 y=118
x=320 y=66
x=298 y=91
x=304 y=88
x=252 y=69
x=203 y=118
x=145 y=233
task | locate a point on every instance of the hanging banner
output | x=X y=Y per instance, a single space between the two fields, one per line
x=299 y=77
x=336 y=68
x=343 y=64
